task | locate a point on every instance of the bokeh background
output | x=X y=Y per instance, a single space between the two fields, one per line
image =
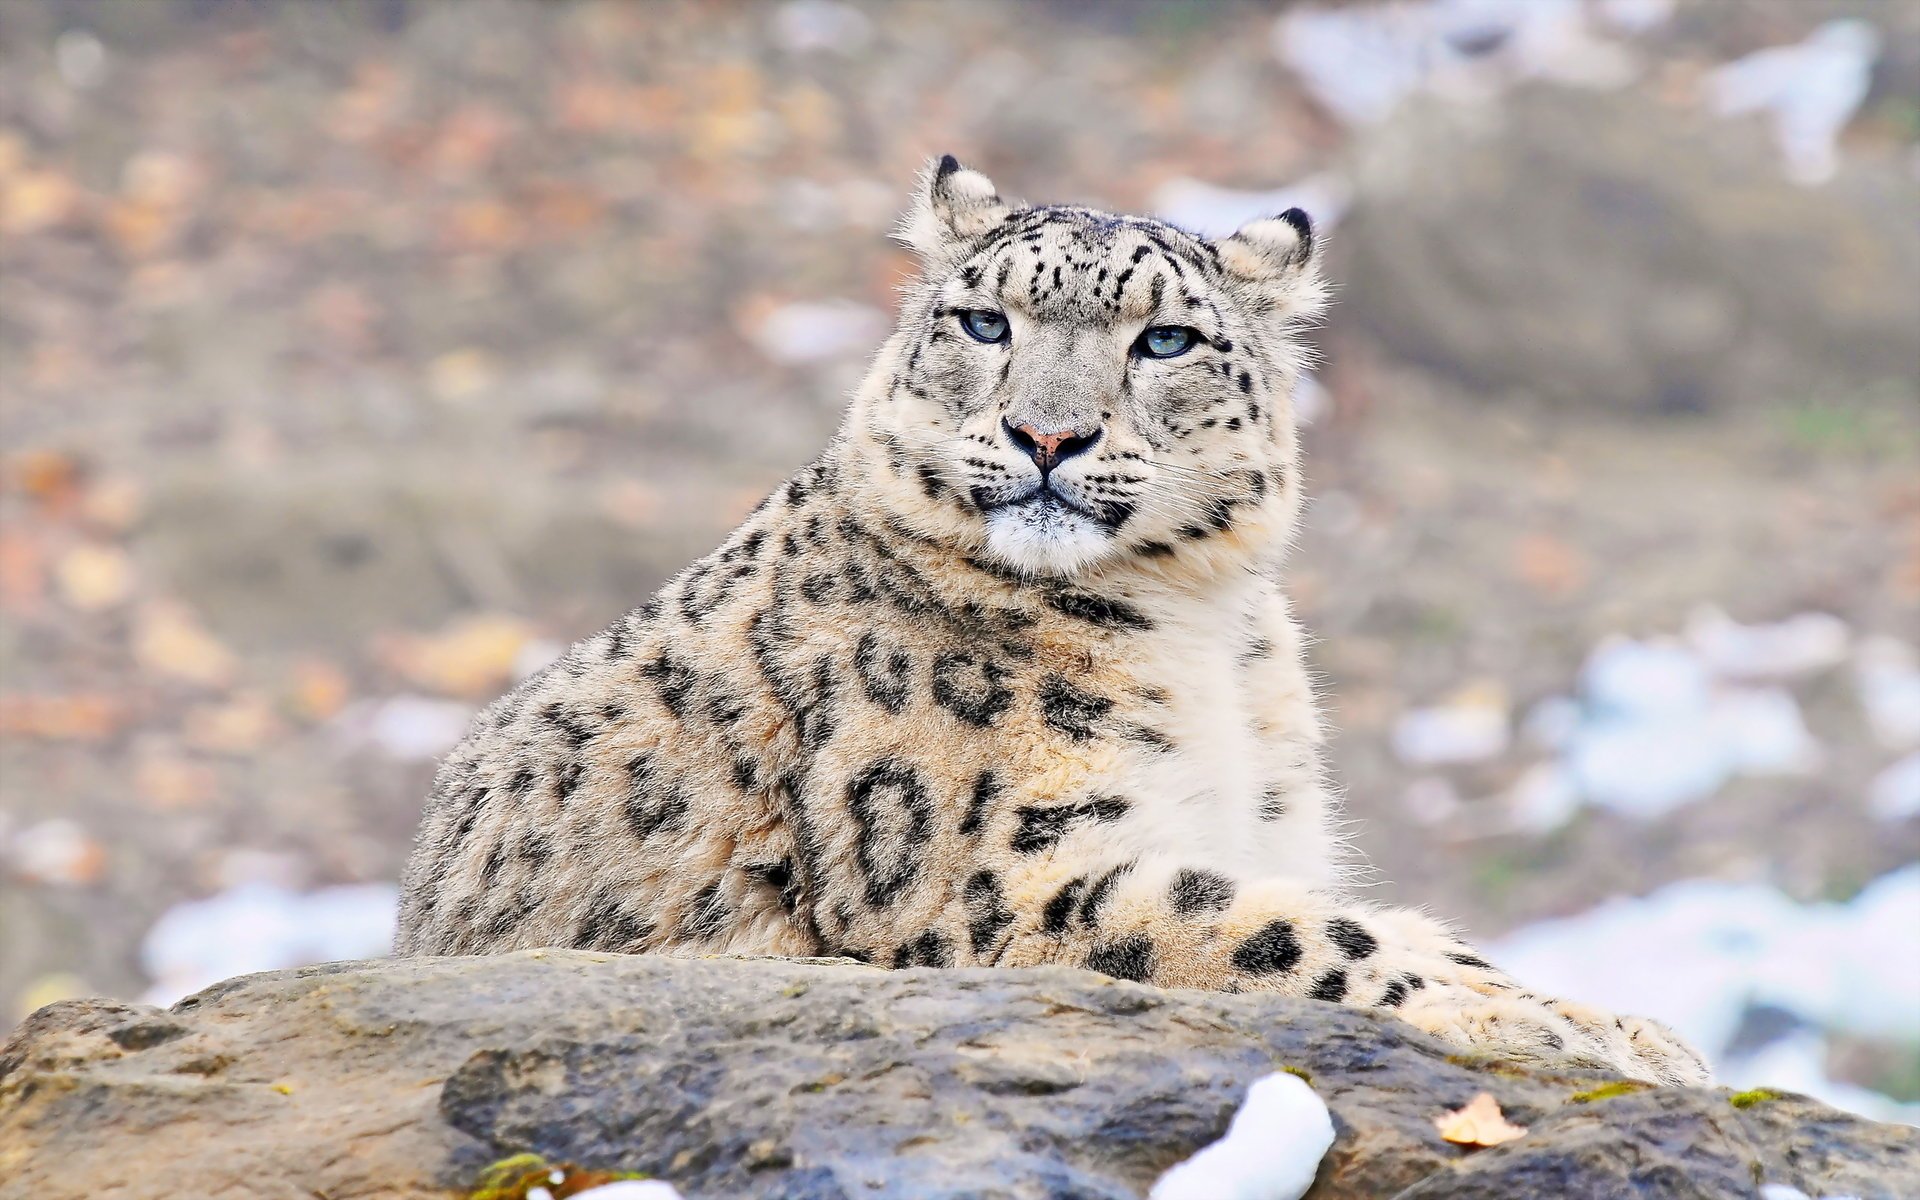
x=354 y=357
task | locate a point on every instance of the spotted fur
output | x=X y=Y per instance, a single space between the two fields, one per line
x=942 y=702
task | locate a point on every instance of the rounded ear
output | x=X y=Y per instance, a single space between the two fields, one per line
x=1280 y=258
x=1268 y=248
x=951 y=207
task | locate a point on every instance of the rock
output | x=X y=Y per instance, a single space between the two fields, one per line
x=1608 y=251
x=732 y=1077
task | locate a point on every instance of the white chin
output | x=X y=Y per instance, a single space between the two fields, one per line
x=1045 y=537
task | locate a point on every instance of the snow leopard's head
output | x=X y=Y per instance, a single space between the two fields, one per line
x=1069 y=388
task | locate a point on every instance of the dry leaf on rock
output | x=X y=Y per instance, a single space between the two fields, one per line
x=1480 y=1123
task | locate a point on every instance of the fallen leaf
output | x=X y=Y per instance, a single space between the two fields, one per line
x=473 y=657
x=23 y=571
x=320 y=689
x=168 y=640
x=233 y=728
x=94 y=578
x=113 y=504
x=168 y=783
x=459 y=374
x=1549 y=565
x=62 y=718
x=1480 y=1123
x=49 y=476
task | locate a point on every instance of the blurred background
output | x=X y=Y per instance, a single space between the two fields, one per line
x=355 y=357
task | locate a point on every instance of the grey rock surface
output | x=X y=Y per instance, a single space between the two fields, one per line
x=734 y=1077
x=1610 y=252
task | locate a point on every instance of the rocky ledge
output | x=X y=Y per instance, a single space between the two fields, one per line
x=814 y=1080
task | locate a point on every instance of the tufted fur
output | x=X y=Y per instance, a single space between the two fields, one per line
x=919 y=712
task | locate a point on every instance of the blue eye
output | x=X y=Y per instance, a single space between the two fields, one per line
x=984 y=325
x=1166 y=341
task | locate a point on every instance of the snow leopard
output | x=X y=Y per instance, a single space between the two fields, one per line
x=1006 y=676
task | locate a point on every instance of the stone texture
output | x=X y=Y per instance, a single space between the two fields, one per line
x=823 y=1080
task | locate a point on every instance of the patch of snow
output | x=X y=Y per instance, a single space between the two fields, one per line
x=1659 y=732
x=1799 y=645
x=1361 y=62
x=819 y=331
x=264 y=927
x=1543 y=799
x=1636 y=16
x=1271 y=1151
x=804 y=26
x=630 y=1189
x=1811 y=90
x=410 y=728
x=1699 y=953
x=1551 y=723
x=56 y=850
x=1470 y=726
x=1894 y=794
x=1212 y=211
x=1886 y=673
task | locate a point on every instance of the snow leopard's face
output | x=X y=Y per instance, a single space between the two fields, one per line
x=1068 y=387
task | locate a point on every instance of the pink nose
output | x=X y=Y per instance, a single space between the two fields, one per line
x=1048 y=450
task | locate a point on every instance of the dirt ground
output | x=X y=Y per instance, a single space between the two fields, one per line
x=351 y=353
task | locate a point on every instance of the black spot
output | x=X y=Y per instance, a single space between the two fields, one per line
x=778 y=876
x=817 y=586
x=1149 y=737
x=1472 y=960
x=987 y=912
x=568 y=780
x=1059 y=910
x=930 y=949
x=971 y=688
x=1352 y=938
x=1330 y=986
x=1129 y=958
x=894 y=820
x=1196 y=891
x=1069 y=709
x=707 y=915
x=1272 y=950
x=1397 y=991
x=1098 y=893
x=1041 y=827
x=673 y=680
x=1155 y=550
x=885 y=672
x=569 y=724
x=490 y=869
x=986 y=789
x=610 y=927
x=1103 y=611
x=651 y=804
x=746 y=773
x=1273 y=805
